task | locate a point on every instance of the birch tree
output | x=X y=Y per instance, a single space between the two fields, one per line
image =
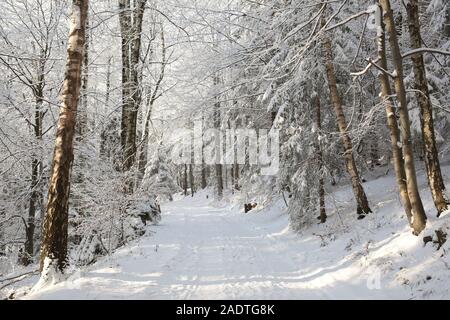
x=55 y=232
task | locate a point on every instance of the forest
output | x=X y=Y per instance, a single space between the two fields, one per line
x=238 y=149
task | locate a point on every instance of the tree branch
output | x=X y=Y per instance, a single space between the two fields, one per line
x=425 y=50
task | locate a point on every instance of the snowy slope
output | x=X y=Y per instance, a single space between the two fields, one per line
x=206 y=251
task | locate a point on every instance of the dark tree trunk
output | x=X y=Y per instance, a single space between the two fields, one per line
x=104 y=148
x=36 y=170
x=218 y=146
x=236 y=177
x=131 y=30
x=191 y=179
x=322 y=211
x=34 y=201
x=185 y=180
x=204 y=183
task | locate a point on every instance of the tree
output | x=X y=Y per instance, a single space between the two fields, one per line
x=54 y=240
x=218 y=145
x=419 y=217
x=435 y=181
x=152 y=96
x=130 y=17
x=31 y=66
x=358 y=190
x=322 y=211
x=185 y=180
x=191 y=179
x=158 y=181
x=386 y=94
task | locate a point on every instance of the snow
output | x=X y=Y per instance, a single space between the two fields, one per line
x=50 y=275
x=373 y=8
x=207 y=250
x=76 y=17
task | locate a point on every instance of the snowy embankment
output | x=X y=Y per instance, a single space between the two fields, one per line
x=206 y=251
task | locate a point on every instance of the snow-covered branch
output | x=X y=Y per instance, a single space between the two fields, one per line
x=425 y=50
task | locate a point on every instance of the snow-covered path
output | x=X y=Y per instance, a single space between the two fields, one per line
x=203 y=252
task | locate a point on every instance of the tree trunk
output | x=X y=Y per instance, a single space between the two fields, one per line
x=433 y=167
x=151 y=98
x=204 y=183
x=358 y=190
x=54 y=242
x=218 y=146
x=127 y=103
x=322 y=211
x=418 y=213
x=236 y=165
x=131 y=29
x=104 y=150
x=219 y=176
x=191 y=179
x=36 y=169
x=34 y=198
x=143 y=146
x=185 y=181
x=82 y=110
x=236 y=176
x=397 y=153
x=374 y=154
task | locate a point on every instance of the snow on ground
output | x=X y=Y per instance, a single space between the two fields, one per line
x=205 y=251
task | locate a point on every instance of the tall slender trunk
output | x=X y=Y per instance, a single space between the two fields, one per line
x=127 y=103
x=36 y=169
x=131 y=29
x=322 y=211
x=104 y=149
x=236 y=177
x=433 y=167
x=225 y=167
x=418 y=212
x=54 y=242
x=82 y=110
x=218 y=146
x=29 y=243
x=374 y=155
x=204 y=183
x=358 y=190
x=386 y=94
x=191 y=179
x=185 y=180
x=143 y=146
x=236 y=165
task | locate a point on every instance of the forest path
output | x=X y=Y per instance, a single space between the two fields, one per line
x=204 y=252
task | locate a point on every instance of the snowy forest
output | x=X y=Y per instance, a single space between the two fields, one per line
x=237 y=149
